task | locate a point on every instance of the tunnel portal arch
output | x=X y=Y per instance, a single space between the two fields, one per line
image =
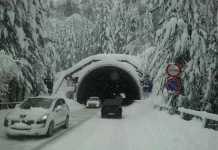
x=103 y=76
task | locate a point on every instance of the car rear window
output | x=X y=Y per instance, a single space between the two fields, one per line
x=93 y=98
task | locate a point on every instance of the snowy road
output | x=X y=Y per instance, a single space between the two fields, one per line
x=142 y=128
x=34 y=143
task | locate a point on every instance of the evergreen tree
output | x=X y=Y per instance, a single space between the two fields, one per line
x=22 y=36
x=183 y=38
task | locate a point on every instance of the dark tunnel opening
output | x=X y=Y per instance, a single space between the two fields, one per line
x=105 y=82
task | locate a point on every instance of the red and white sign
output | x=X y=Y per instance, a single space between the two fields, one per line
x=173 y=70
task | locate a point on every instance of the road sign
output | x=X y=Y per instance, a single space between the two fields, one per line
x=173 y=70
x=173 y=85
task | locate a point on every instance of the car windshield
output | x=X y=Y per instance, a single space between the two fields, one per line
x=36 y=103
x=93 y=98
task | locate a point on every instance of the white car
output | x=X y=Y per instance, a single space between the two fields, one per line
x=93 y=102
x=37 y=116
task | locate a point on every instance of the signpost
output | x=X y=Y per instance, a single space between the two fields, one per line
x=173 y=84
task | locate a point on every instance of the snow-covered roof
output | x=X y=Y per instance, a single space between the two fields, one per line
x=128 y=63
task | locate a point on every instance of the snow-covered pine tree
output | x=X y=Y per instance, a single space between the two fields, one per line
x=211 y=27
x=123 y=27
x=100 y=32
x=9 y=71
x=22 y=36
x=183 y=38
x=71 y=39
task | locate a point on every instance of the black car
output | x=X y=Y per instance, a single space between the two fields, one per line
x=112 y=108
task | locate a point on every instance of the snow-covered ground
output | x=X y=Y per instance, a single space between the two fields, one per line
x=142 y=128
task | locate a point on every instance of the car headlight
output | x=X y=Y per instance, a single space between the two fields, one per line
x=43 y=119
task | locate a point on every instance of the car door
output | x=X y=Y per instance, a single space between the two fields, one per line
x=57 y=110
x=66 y=109
x=63 y=110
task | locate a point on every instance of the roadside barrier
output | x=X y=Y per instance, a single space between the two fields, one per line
x=209 y=120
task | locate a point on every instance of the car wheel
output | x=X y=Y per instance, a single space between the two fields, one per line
x=50 y=131
x=66 y=124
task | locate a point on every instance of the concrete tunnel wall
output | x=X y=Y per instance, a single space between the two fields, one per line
x=105 y=78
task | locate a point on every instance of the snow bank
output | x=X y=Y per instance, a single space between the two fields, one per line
x=157 y=100
x=73 y=105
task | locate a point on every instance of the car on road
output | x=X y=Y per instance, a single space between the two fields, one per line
x=112 y=107
x=37 y=116
x=93 y=102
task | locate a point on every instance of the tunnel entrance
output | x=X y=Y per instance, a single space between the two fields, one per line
x=105 y=82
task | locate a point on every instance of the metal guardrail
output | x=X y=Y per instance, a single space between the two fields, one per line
x=208 y=119
x=8 y=105
x=205 y=116
x=202 y=114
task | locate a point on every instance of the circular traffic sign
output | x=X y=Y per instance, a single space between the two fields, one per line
x=173 y=70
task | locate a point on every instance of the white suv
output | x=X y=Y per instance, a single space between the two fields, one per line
x=37 y=116
x=93 y=102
